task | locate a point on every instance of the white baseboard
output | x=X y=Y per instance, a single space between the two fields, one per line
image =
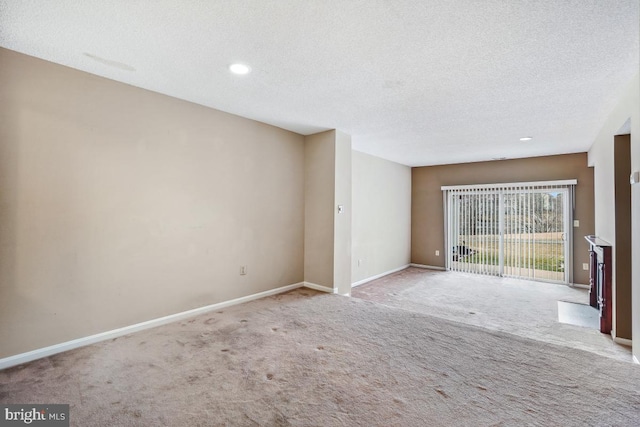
x=635 y=360
x=29 y=356
x=428 y=267
x=320 y=288
x=580 y=286
x=621 y=341
x=377 y=276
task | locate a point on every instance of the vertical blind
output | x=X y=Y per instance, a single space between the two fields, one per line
x=516 y=230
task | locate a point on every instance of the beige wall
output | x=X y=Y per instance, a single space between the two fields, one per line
x=427 y=215
x=381 y=216
x=342 y=219
x=327 y=240
x=119 y=205
x=601 y=156
x=633 y=106
x=622 y=253
x=319 y=195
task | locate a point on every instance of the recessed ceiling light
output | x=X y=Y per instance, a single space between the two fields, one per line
x=526 y=138
x=239 y=69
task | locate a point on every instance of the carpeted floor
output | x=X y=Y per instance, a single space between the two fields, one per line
x=521 y=307
x=310 y=359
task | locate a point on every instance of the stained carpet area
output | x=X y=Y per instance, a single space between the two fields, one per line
x=309 y=359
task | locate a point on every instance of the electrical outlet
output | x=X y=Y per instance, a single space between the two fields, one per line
x=437 y=253
x=243 y=270
x=585 y=266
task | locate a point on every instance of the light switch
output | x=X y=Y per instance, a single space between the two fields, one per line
x=576 y=223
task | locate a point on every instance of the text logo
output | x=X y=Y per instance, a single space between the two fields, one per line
x=34 y=415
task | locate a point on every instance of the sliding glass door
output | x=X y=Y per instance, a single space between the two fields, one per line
x=515 y=230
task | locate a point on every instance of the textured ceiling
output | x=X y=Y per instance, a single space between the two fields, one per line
x=414 y=81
